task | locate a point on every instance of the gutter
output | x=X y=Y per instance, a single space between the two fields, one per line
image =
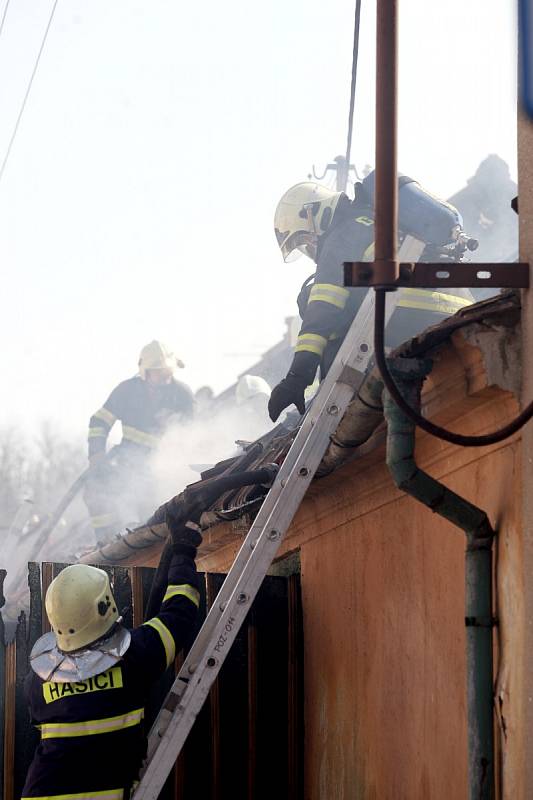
x=409 y=375
x=484 y=321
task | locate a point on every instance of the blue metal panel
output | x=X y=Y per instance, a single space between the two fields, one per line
x=526 y=53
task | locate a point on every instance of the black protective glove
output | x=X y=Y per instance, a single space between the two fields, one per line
x=185 y=536
x=292 y=388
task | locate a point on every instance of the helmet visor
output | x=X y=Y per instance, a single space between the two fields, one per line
x=294 y=244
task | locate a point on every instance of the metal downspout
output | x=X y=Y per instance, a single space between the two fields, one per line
x=409 y=375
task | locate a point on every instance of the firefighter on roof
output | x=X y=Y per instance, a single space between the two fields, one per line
x=145 y=405
x=330 y=228
x=90 y=677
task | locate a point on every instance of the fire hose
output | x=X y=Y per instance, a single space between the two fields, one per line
x=188 y=507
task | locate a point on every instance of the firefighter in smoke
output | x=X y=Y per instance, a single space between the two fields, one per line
x=330 y=228
x=251 y=398
x=90 y=676
x=119 y=484
x=252 y=394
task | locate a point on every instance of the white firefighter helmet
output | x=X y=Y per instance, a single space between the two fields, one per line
x=80 y=606
x=250 y=386
x=157 y=355
x=303 y=214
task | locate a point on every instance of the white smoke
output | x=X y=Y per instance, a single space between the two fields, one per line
x=190 y=448
x=186 y=450
x=35 y=473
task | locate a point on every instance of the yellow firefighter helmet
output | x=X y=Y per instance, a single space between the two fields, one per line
x=157 y=355
x=303 y=214
x=80 y=606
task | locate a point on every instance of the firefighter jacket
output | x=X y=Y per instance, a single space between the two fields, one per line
x=93 y=737
x=144 y=411
x=330 y=308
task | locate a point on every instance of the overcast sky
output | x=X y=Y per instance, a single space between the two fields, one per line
x=138 y=199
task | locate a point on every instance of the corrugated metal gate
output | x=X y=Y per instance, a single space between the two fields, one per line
x=248 y=740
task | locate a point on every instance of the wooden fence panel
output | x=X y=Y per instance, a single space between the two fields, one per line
x=10 y=672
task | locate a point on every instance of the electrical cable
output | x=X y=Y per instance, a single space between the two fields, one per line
x=23 y=106
x=425 y=424
x=355 y=58
x=4 y=16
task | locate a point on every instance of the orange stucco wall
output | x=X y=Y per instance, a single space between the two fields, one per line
x=525 y=190
x=383 y=601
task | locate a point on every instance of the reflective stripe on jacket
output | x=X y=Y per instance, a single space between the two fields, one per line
x=107 y=794
x=331 y=307
x=144 y=411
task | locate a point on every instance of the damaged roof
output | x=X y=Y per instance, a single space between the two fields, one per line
x=490 y=325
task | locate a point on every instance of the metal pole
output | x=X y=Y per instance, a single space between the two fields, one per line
x=386 y=213
x=479 y=665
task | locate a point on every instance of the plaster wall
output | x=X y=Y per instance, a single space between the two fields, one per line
x=525 y=194
x=383 y=594
x=385 y=649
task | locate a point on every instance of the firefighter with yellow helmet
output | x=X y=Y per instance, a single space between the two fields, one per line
x=90 y=676
x=145 y=405
x=330 y=229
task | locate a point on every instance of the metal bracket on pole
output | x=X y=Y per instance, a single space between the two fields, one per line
x=441 y=275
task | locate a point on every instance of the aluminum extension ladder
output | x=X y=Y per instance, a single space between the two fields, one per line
x=191 y=686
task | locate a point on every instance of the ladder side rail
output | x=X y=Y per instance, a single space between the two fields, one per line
x=322 y=399
x=356 y=351
x=273 y=515
x=214 y=648
x=225 y=618
x=207 y=655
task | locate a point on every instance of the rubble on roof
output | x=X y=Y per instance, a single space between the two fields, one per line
x=491 y=325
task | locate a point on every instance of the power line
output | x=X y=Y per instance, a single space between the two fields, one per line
x=4 y=16
x=23 y=106
x=355 y=58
